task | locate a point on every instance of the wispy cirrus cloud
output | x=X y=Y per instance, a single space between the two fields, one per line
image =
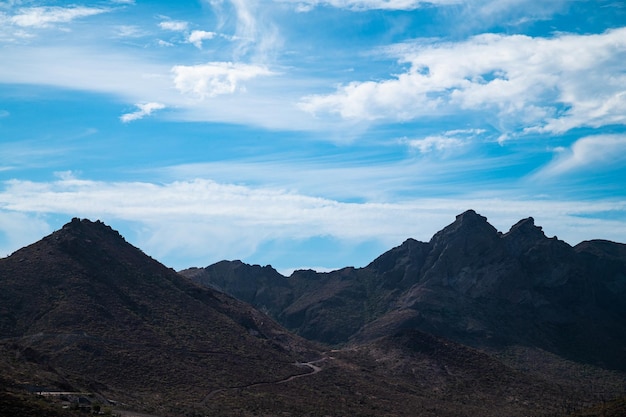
x=174 y=25
x=530 y=82
x=254 y=31
x=202 y=221
x=445 y=141
x=42 y=17
x=144 y=110
x=307 y=5
x=591 y=153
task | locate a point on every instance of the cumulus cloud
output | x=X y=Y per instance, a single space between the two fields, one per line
x=525 y=81
x=145 y=109
x=215 y=78
x=41 y=17
x=597 y=152
x=197 y=36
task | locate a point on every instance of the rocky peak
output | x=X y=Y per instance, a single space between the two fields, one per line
x=467 y=223
x=470 y=229
x=411 y=251
x=526 y=229
x=525 y=235
x=86 y=230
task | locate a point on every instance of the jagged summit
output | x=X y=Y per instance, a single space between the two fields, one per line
x=469 y=283
x=84 y=228
x=526 y=227
x=83 y=310
x=470 y=217
x=523 y=235
x=466 y=225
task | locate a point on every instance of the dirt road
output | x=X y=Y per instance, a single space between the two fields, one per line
x=311 y=365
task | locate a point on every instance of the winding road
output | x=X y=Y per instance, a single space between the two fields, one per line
x=311 y=365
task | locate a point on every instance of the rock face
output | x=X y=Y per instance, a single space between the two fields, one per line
x=470 y=284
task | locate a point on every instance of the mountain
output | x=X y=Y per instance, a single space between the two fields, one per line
x=88 y=320
x=470 y=284
x=83 y=310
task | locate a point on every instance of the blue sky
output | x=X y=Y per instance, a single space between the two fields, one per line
x=313 y=133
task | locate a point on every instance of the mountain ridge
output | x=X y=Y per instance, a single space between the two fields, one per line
x=470 y=283
x=84 y=311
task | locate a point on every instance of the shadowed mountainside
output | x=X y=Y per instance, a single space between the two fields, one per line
x=84 y=311
x=470 y=283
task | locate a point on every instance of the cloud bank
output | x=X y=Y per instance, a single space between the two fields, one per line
x=532 y=83
x=208 y=221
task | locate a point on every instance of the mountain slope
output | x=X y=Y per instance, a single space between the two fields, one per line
x=84 y=310
x=469 y=283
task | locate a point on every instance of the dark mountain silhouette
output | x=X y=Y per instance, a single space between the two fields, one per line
x=470 y=284
x=82 y=311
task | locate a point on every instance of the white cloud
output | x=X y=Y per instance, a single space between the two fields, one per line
x=526 y=81
x=212 y=221
x=145 y=109
x=161 y=42
x=174 y=25
x=435 y=143
x=197 y=36
x=307 y=5
x=135 y=78
x=215 y=78
x=448 y=140
x=129 y=31
x=598 y=152
x=234 y=218
x=41 y=17
x=255 y=32
x=98 y=70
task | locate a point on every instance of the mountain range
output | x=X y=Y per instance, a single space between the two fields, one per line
x=474 y=322
x=469 y=283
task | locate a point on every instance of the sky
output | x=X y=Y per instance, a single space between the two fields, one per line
x=310 y=133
